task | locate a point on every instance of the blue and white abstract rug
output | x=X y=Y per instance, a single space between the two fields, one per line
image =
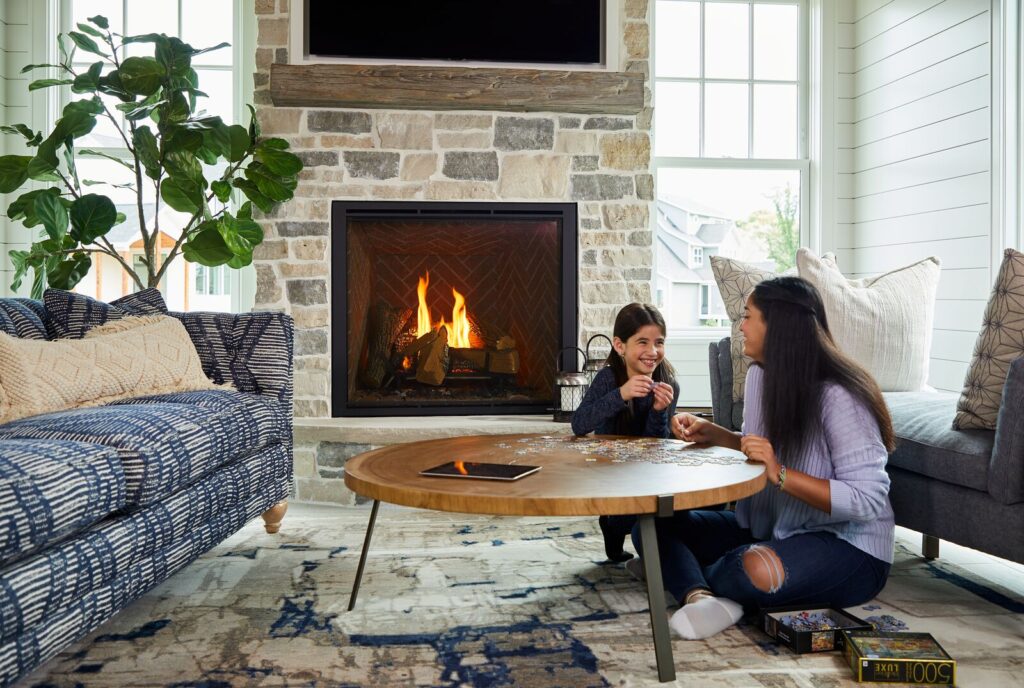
x=457 y=600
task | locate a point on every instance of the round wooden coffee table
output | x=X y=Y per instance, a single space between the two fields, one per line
x=579 y=476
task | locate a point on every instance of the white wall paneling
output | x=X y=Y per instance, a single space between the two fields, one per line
x=916 y=157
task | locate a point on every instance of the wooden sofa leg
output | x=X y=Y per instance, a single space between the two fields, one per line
x=273 y=516
x=929 y=546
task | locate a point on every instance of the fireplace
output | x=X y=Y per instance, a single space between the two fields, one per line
x=450 y=308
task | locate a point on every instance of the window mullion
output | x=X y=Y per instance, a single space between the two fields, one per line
x=750 y=83
x=703 y=100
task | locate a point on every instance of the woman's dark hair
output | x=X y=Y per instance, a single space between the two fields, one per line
x=628 y=321
x=799 y=357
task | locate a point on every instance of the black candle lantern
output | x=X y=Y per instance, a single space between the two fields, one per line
x=570 y=388
x=595 y=361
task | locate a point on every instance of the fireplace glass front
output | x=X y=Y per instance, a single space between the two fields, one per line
x=450 y=308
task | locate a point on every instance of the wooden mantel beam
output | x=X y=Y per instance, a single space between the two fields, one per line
x=456 y=88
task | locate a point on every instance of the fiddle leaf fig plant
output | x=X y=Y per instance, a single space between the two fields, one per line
x=170 y=148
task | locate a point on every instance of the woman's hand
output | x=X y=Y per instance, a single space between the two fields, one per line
x=760 y=450
x=663 y=396
x=637 y=386
x=690 y=428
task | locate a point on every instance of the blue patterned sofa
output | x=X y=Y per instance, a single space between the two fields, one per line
x=98 y=505
x=963 y=486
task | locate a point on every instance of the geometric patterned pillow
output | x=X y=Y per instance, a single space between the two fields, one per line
x=736 y=280
x=71 y=314
x=999 y=344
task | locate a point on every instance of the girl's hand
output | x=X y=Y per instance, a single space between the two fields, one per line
x=759 y=450
x=690 y=428
x=636 y=386
x=663 y=396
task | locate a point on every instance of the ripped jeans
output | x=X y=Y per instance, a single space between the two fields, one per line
x=705 y=549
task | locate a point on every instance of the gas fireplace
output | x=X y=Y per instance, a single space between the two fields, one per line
x=450 y=308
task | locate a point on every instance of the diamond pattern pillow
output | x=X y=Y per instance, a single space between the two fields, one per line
x=71 y=314
x=999 y=344
x=736 y=280
x=125 y=358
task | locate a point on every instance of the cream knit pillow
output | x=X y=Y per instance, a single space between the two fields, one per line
x=125 y=358
x=884 y=322
x=999 y=344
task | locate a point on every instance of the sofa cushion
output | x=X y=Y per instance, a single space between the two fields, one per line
x=163 y=446
x=265 y=411
x=52 y=488
x=927 y=445
x=72 y=315
x=150 y=543
x=22 y=318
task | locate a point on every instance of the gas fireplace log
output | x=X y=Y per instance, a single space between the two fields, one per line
x=385 y=324
x=433 y=363
x=506 y=361
x=471 y=358
x=492 y=336
x=418 y=345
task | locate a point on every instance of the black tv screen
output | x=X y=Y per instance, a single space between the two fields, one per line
x=540 y=31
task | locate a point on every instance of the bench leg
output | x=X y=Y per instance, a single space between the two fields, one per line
x=273 y=516
x=929 y=546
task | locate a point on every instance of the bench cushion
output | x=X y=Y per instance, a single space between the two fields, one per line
x=52 y=488
x=164 y=446
x=929 y=446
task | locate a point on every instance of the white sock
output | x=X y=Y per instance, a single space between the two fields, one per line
x=705 y=617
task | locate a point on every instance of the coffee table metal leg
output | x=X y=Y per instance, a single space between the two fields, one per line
x=656 y=600
x=362 y=555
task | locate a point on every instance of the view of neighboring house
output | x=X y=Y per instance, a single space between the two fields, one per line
x=688 y=234
x=186 y=286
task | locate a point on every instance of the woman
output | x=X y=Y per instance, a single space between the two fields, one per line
x=635 y=394
x=821 y=532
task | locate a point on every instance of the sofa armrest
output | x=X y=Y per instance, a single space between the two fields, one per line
x=1006 y=469
x=253 y=351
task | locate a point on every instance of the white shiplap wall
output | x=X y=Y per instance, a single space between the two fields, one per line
x=914 y=159
x=21 y=35
x=14 y=98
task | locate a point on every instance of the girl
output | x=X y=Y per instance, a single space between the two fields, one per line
x=821 y=532
x=635 y=394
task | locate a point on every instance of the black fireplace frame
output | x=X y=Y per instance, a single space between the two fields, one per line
x=342 y=211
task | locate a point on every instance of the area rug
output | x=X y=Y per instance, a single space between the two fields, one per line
x=456 y=600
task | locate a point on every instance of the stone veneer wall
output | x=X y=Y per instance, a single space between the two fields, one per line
x=603 y=162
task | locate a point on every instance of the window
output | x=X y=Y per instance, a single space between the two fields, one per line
x=212 y=281
x=730 y=93
x=201 y=23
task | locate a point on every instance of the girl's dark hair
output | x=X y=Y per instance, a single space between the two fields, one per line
x=800 y=356
x=628 y=321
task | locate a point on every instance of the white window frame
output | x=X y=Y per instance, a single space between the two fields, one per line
x=243 y=61
x=801 y=164
x=698 y=256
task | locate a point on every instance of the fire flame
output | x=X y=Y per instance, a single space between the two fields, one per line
x=458 y=328
x=423 y=313
x=461 y=468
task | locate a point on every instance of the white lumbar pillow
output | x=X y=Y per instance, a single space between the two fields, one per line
x=882 y=322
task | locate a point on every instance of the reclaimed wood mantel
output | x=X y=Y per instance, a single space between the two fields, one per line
x=456 y=88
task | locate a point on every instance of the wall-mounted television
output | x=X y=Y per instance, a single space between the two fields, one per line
x=515 y=31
